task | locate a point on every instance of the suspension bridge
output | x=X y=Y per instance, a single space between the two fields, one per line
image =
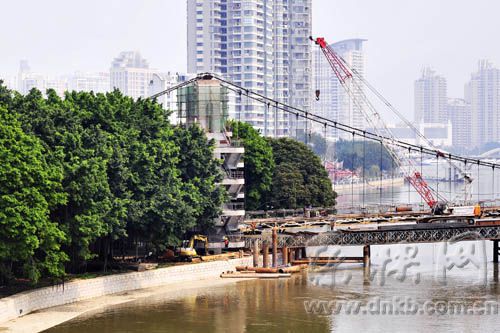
x=458 y=201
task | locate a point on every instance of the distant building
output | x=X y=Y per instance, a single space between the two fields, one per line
x=482 y=92
x=59 y=84
x=440 y=135
x=430 y=98
x=27 y=80
x=334 y=103
x=130 y=73
x=9 y=81
x=460 y=115
x=96 y=82
x=162 y=81
x=205 y=102
x=262 y=46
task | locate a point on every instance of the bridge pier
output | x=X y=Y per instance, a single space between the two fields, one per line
x=366 y=256
x=366 y=264
x=275 y=246
x=256 y=253
x=303 y=253
x=284 y=250
x=265 y=254
x=496 y=251
x=297 y=254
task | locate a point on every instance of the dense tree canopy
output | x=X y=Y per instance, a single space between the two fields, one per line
x=98 y=168
x=299 y=179
x=29 y=188
x=86 y=172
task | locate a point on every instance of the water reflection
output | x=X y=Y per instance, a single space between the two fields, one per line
x=278 y=306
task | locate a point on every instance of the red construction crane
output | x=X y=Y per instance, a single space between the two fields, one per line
x=353 y=84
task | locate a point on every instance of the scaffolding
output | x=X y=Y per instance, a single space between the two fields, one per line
x=204 y=102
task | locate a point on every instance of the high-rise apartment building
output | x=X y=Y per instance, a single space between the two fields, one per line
x=459 y=113
x=334 y=103
x=261 y=45
x=430 y=98
x=482 y=92
x=130 y=73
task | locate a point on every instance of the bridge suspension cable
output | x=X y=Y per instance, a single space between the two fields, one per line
x=308 y=116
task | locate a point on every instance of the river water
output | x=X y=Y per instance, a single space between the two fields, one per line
x=279 y=305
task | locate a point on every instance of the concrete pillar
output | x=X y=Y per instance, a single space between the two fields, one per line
x=256 y=253
x=303 y=254
x=495 y=251
x=275 y=246
x=366 y=255
x=285 y=255
x=297 y=254
x=366 y=265
x=265 y=254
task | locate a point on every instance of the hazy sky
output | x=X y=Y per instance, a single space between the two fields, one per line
x=61 y=36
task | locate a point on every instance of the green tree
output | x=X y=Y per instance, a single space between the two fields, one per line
x=200 y=175
x=299 y=179
x=29 y=188
x=259 y=165
x=288 y=187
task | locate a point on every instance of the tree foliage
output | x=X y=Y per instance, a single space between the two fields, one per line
x=29 y=188
x=99 y=168
x=299 y=179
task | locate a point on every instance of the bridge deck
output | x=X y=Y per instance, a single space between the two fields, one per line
x=380 y=237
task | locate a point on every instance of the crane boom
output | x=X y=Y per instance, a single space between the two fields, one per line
x=370 y=113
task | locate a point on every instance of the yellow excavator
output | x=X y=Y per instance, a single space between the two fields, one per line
x=187 y=251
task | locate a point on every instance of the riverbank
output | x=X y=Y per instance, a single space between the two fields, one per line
x=369 y=185
x=41 y=320
x=53 y=305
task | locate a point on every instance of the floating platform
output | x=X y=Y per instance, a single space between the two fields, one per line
x=253 y=275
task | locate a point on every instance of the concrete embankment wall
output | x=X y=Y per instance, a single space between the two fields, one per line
x=23 y=303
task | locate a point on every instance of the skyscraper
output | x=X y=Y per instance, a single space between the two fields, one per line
x=430 y=98
x=459 y=113
x=130 y=73
x=261 y=45
x=483 y=94
x=334 y=103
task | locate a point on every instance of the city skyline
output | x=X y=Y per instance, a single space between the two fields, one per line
x=427 y=33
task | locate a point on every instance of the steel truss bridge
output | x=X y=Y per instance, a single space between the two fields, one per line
x=383 y=237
